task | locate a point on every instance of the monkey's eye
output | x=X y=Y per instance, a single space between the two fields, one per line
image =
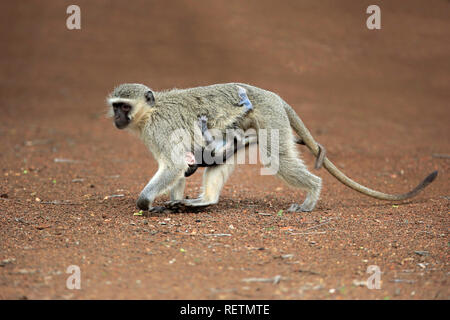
x=126 y=107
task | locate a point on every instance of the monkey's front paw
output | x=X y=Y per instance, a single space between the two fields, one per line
x=158 y=209
x=143 y=203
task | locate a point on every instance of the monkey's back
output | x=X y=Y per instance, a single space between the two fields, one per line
x=219 y=102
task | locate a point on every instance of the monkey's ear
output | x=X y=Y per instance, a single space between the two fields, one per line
x=149 y=98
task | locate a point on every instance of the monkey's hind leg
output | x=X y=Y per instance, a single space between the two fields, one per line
x=213 y=182
x=294 y=172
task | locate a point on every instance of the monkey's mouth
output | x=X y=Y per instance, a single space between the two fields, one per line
x=120 y=125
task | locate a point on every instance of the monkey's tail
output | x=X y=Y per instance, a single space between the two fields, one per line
x=299 y=127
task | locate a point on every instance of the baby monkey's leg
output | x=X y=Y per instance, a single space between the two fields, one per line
x=320 y=157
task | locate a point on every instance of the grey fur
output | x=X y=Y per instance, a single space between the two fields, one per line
x=179 y=109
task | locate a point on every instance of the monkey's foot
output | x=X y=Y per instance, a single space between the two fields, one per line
x=186 y=203
x=299 y=208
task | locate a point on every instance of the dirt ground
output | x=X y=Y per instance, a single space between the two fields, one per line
x=377 y=99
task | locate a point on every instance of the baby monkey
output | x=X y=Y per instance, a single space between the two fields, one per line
x=219 y=150
x=222 y=150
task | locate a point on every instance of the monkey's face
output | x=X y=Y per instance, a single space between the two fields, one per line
x=128 y=104
x=121 y=114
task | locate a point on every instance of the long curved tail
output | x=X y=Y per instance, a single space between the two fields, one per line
x=299 y=127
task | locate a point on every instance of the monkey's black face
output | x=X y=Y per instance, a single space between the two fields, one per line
x=121 y=114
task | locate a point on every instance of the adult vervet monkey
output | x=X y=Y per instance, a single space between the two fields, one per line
x=154 y=116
